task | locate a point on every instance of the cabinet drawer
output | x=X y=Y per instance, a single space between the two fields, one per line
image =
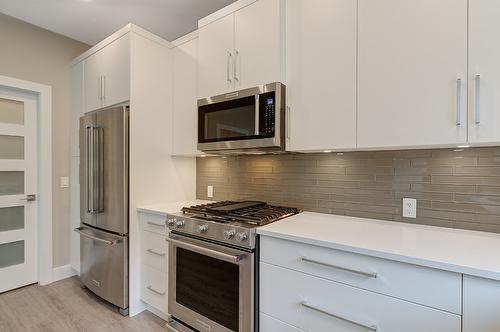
x=317 y=304
x=430 y=287
x=270 y=324
x=153 y=223
x=154 y=288
x=154 y=250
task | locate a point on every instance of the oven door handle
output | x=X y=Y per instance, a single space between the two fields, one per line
x=235 y=259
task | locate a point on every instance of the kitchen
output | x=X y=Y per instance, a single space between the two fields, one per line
x=270 y=165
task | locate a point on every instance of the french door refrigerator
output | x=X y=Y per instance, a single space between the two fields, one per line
x=104 y=200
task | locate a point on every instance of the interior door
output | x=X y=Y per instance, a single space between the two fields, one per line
x=111 y=140
x=412 y=73
x=18 y=179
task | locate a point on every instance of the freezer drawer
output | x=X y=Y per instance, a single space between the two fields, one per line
x=104 y=264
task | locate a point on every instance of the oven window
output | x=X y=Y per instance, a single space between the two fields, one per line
x=208 y=286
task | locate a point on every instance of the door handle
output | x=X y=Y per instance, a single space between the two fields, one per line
x=154 y=252
x=228 y=66
x=478 y=99
x=458 y=120
x=155 y=291
x=235 y=65
x=338 y=267
x=80 y=231
x=29 y=198
x=257 y=115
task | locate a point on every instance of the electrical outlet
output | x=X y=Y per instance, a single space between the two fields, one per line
x=210 y=191
x=64 y=182
x=409 y=207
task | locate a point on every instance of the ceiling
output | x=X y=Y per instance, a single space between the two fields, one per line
x=90 y=21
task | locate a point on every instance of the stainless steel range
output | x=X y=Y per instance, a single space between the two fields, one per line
x=213 y=265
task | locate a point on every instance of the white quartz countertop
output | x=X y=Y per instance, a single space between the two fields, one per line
x=164 y=208
x=467 y=252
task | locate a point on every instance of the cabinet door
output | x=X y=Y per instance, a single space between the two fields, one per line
x=215 y=62
x=321 y=74
x=412 y=70
x=116 y=71
x=92 y=67
x=481 y=303
x=185 y=110
x=258 y=52
x=484 y=55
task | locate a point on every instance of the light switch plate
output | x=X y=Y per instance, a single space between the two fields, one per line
x=64 y=181
x=409 y=208
x=210 y=191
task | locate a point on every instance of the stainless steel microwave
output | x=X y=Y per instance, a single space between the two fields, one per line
x=250 y=120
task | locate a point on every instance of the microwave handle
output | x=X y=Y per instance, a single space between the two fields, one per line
x=257 y=115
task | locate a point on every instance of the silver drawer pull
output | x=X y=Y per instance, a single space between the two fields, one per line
x=337 y=267
x=151 y=251
x=155 y=224
x=373 y=328
x=155 y=291
x=80 y=231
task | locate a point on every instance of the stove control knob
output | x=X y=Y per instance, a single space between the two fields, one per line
x=179 y=224
x=202 y=229
x=228 y=235
x=241 y=237
x=170 y=222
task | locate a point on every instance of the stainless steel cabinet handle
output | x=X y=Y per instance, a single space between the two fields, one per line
x=373 y=328
x=478 y=99
x=95 y=238
x=458 y=119
x=288 y=122
x=337 y=267
x=103 y=84
x=99 y=88
x=235 y=65
x=151 y=251
x=155 y=291
x=228 y=66
x=155 y=224
x=29 y=198
x=257 y=115
x=213 y=253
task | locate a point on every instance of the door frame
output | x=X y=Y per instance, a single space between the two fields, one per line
x=44 y=148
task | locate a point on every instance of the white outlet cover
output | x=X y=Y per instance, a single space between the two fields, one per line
x=64 y=182
x=210 y=191
x=409 y=208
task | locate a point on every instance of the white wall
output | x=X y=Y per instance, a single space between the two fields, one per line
x=34 y=54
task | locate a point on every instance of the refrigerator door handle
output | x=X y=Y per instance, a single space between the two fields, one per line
x=89 y=168
x=80 y=230
x=99 y=146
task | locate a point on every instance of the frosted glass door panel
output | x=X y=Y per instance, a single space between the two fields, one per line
x=11 y=111
x=11 y=183
x=11 y=253
x=11 y=218
x=11 y=147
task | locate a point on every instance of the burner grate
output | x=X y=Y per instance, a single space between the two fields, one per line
x=251 y=212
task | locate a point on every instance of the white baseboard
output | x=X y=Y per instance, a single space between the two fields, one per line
x=63 y=272
x=157 y=312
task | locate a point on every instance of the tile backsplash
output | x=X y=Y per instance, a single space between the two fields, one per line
x=454 y=188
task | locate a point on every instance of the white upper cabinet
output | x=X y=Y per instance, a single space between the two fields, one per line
x=241 y=50
x=321 y=74
x=484 y=71
x=215 y=62
x=107 y=75
x=185 y=110
x=412 y=73
x=258 y=39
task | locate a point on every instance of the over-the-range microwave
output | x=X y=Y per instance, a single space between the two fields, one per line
x=246 y=121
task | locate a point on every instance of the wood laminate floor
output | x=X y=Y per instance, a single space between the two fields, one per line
x=64 y=306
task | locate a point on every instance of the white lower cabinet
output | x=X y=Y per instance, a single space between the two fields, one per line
x=481 y=305
x=317 y=305
x=154 y=261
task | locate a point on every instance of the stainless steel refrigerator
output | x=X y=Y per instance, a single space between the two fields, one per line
x=104 y=204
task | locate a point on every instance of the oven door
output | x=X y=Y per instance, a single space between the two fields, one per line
x=247 y=119
x=211 y=287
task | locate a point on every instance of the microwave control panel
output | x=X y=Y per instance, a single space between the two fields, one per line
x=269 y=115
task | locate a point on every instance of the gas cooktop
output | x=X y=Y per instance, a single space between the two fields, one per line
x=228 y=222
